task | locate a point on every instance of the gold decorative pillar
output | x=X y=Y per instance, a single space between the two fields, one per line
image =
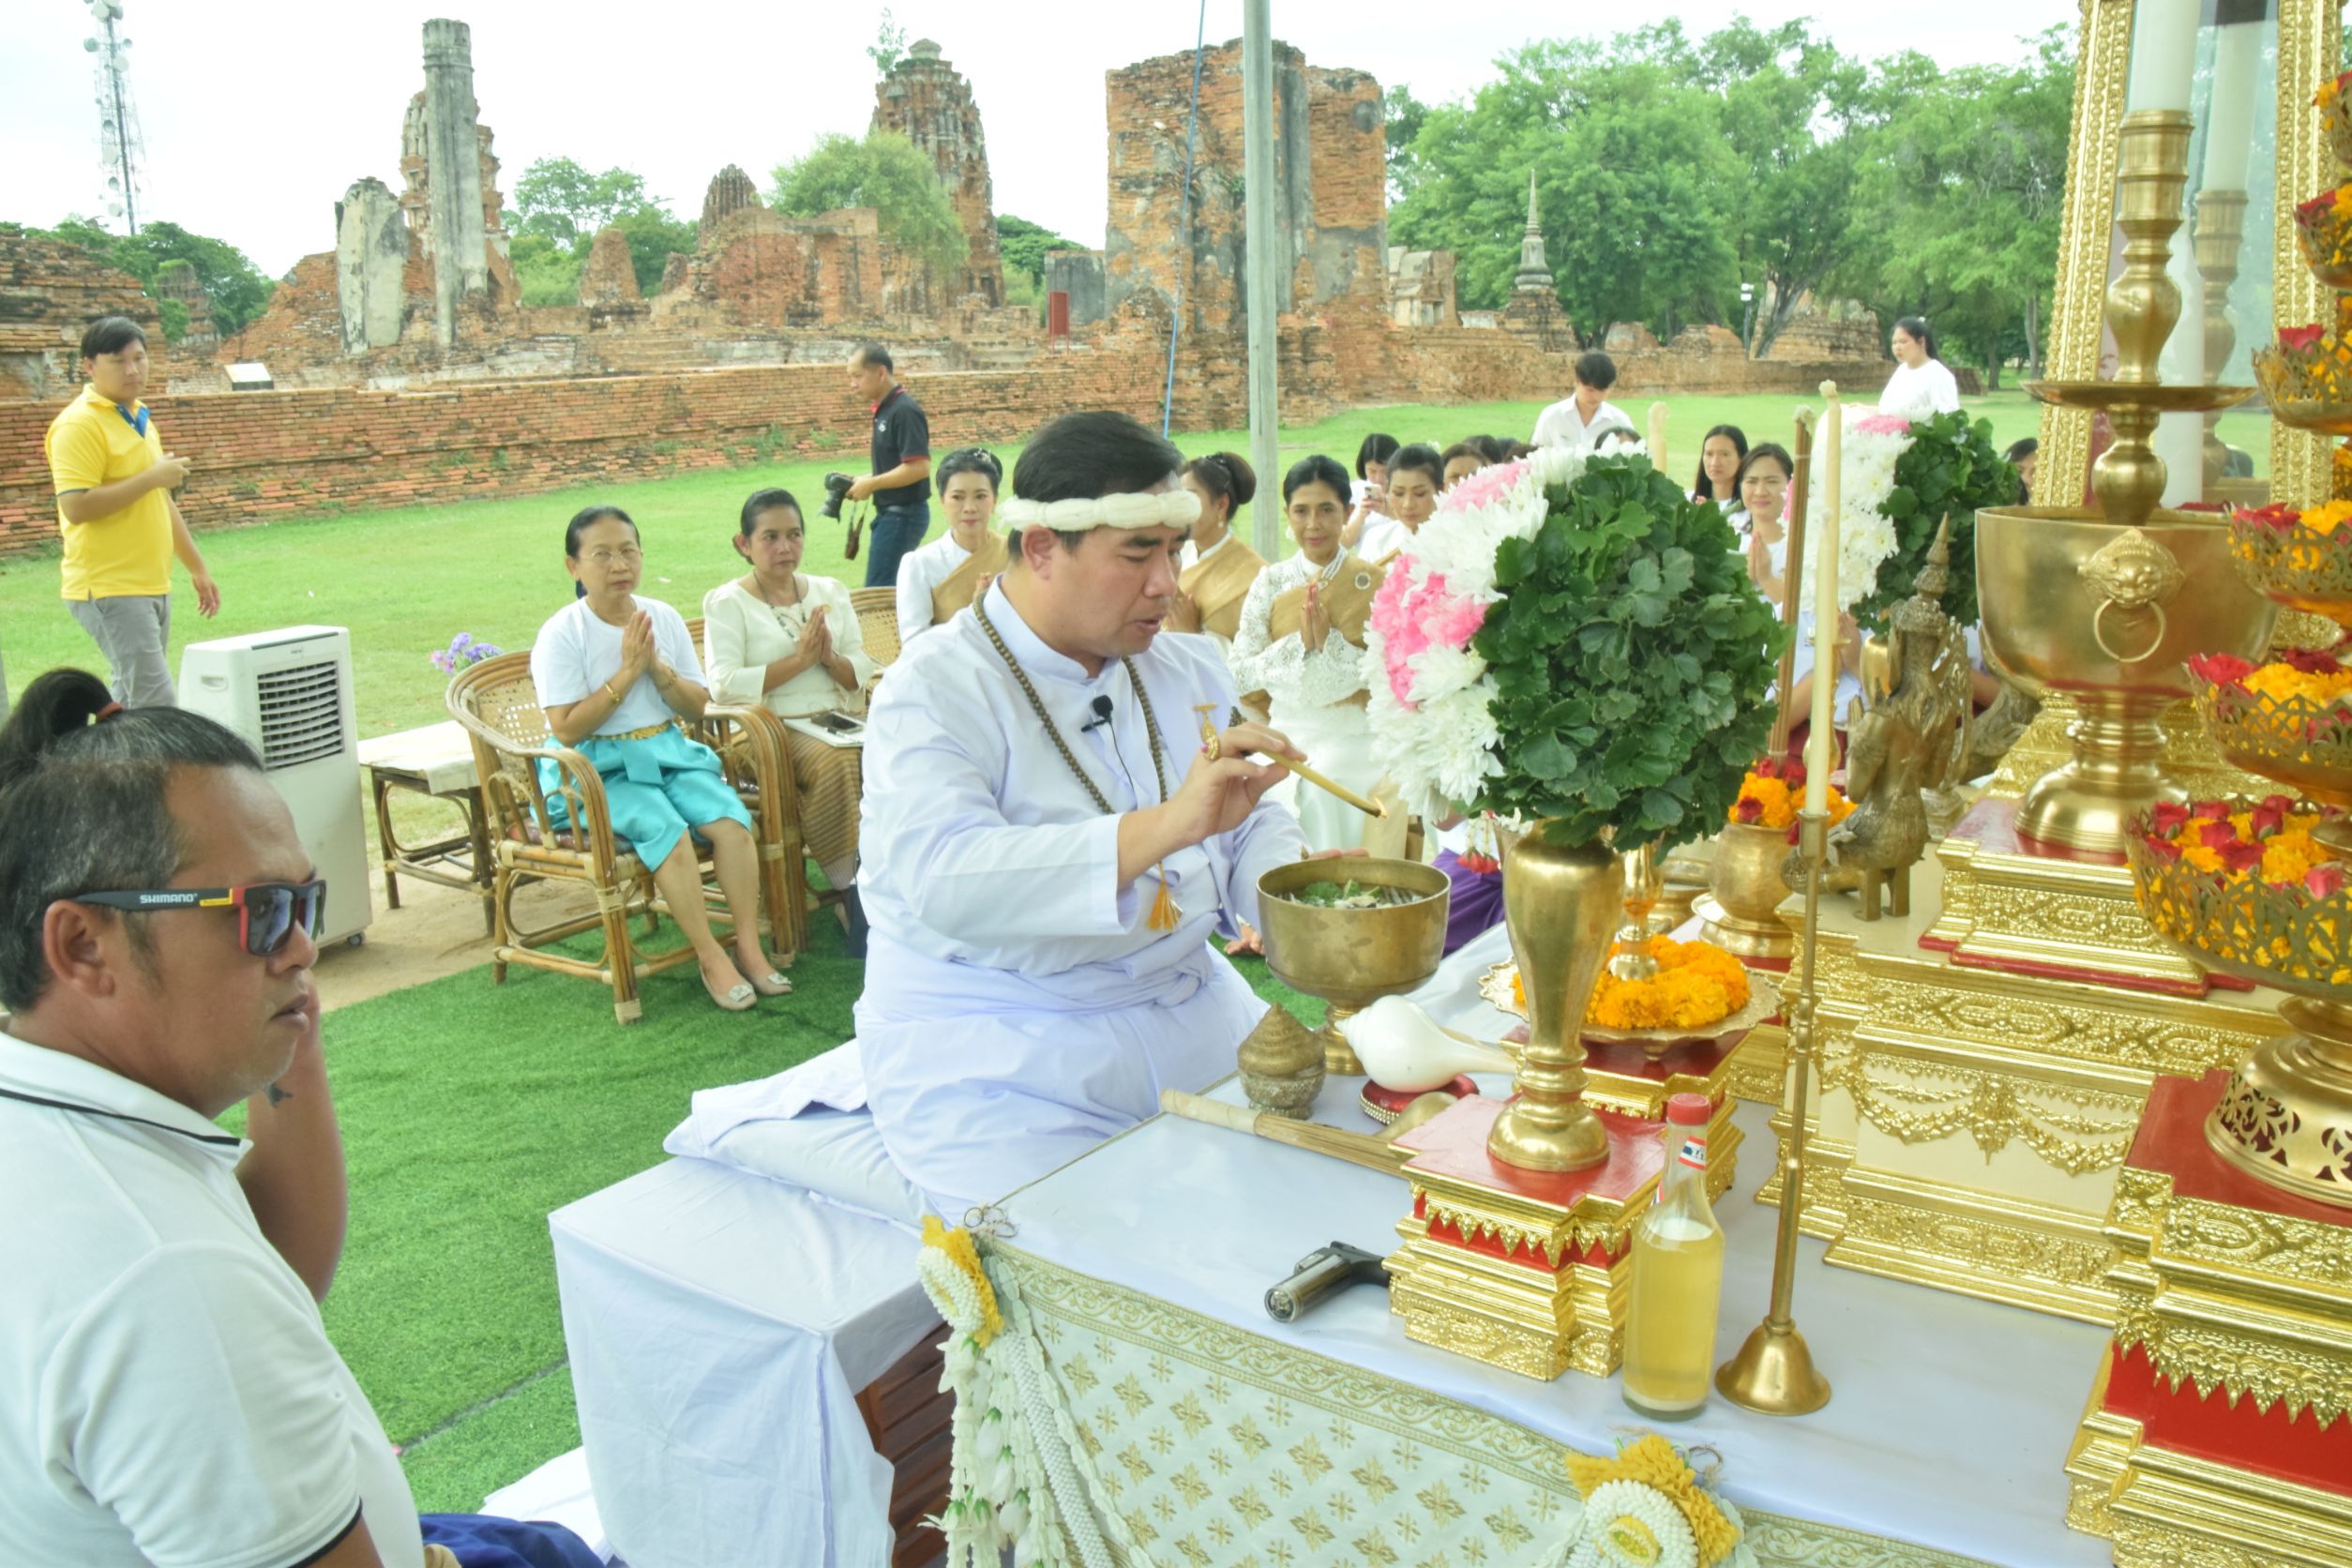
x=2309 y=45
x=2078 y=307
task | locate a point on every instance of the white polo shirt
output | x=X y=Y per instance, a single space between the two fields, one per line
x=172 y=1396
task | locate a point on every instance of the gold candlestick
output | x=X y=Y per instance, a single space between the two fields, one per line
x=2221 y=231
x=1773 y=1372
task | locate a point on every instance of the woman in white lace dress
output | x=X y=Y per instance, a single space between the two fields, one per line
x=1301 y=642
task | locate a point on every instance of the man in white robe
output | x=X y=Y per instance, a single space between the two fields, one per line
x=1022 y=1001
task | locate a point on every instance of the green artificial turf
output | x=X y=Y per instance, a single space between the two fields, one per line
x=469 y=1112
x=405 y=582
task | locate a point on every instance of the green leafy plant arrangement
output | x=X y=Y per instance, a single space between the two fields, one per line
x=1631 y=655
x=1950 y=467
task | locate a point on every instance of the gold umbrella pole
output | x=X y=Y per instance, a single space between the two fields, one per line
x=1773 y=1373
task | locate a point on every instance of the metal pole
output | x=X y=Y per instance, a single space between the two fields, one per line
x=1260 y=211
x=122 y=126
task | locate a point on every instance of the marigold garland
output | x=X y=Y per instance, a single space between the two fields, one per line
x=1697 y=984
x=1651 y=1461
x=955 y=1246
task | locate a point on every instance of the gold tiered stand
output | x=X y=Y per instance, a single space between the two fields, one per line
x=2219 y=1427
x=1986 y=1063
x=2216 y=1428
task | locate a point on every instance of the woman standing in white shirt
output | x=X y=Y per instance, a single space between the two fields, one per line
x=780 y=637
x=1922 y=385
x=1300 y=641
x=939 y=579
x=1761 y=525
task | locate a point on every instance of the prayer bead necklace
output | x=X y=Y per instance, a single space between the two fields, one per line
x=1165 y=916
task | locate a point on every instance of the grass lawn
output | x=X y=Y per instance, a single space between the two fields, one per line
x=405 y=582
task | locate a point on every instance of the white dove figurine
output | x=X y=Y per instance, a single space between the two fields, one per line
x=1402 y=1047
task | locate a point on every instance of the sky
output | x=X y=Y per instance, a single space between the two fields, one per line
x=257 y=114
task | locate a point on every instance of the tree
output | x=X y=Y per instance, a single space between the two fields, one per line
x=653 y=237
x=1792 y=108
x=546 y=272
x=238 y=289
x=1023 y=245
x=560 y=210
x=1633 y=180
x=1960 y=198
x=561 y=200
x=890 y=43
x=889 y=174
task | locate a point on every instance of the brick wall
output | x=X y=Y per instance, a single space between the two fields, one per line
x=262 y=455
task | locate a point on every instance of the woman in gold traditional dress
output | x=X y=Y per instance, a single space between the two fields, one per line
x=1300 y=641
x=780 y=636
x=939 y=579
x=1210 y=592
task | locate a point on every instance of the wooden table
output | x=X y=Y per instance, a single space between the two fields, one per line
x=436 y=760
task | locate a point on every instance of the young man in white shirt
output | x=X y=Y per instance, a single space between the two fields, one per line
x=1578 y=422
x=175 y=1400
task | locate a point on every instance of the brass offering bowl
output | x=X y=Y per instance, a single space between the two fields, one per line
x=1741 y=906
x=1352 y=957
x=2106 y=613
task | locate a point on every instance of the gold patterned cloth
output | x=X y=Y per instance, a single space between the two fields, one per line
x=959 y=587
x=1201 y=1446
x=1219 y=581
x=826 y=783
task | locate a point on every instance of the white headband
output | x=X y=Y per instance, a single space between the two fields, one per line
x=1175 y=509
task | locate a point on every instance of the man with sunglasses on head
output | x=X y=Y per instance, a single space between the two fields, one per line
x=174 y=1397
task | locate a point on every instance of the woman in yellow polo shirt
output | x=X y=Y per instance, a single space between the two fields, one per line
x=114 y=482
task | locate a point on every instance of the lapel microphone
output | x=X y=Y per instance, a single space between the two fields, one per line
x=1101 y=715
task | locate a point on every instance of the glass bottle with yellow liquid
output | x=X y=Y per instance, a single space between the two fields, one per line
x=1678 y=1277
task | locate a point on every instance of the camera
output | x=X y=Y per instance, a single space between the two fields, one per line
x=837 y=490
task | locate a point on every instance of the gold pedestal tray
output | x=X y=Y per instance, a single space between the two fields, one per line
x=1972 y=1120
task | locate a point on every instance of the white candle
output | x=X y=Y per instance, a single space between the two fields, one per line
x=1657 y=436
x=2163 y=55
x=1820 y=748
x=2229 y=121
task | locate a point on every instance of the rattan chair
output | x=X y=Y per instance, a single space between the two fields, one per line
x=751 y=750
x=499 y=707
x=878 y=620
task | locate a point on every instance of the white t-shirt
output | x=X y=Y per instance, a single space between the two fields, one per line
x=172 y=1396
x=577 y=651
x=1919 y=391
x=1561 y=424
x=1382 y=538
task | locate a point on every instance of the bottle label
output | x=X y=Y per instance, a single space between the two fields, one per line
x=1693 y=1153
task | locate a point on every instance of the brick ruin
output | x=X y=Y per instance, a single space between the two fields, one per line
x=48 y=290
x=408 y=340
x=925 y=101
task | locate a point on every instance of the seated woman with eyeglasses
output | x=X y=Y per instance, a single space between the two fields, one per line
x=614 y=672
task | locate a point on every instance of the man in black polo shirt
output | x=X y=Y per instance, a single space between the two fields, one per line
x=901 y=485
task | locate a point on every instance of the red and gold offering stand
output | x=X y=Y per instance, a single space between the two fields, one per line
x=2217 y=1429
x=1525 y=1270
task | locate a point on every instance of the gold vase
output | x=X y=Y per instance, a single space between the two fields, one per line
x=1560 y=902
x=1742 y=901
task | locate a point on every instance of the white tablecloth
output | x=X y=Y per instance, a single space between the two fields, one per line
x=719 y=1327
x=1950 y=1418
